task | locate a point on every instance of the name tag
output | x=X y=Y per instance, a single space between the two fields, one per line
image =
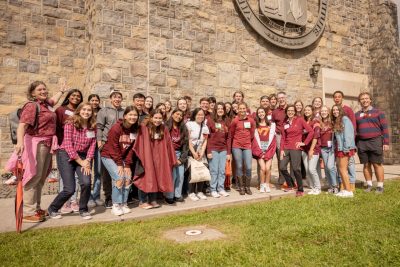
x=90 y=134
x=69 y=112
x=156 y=136
x=362 y=115
x=50 y=108
x=132 y=136
x=218 y=125
x=269 y=117
x=247 y=125
x=264 y=145
x=329 y=143
x=286 y=126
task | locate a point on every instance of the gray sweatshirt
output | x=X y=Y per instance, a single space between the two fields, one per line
x=106 y=118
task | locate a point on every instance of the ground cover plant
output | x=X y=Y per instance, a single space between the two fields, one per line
x=309 y=231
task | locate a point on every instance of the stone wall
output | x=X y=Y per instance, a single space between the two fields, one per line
x=385 y=70
x=171 y=48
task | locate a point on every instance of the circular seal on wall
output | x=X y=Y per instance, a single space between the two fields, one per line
x=290 y=24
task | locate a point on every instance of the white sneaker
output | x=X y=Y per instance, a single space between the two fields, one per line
x=317 y=191
x=223 y=193
x=116 y=210
x=267 y=189
x=125 y=208
x=346 y=194
x=312 y=192
x=201 y=196
x=215 y=194
x=262 y=188
x=193 y=197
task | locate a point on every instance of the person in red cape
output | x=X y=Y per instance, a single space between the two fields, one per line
x=154 y=149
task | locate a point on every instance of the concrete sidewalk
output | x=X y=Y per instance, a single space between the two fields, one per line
x=100 y=214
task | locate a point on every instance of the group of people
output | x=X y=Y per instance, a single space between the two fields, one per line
x=143 y=151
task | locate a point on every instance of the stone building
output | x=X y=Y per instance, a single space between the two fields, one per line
x=171 y=48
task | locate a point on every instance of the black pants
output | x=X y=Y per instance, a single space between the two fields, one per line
x=294 y=157
x=67 y=170
x=107 y=184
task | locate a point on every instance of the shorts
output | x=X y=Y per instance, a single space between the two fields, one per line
x=370 y=150
x=341 y=154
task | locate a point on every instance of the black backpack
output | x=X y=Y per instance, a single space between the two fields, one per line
x=14 y=120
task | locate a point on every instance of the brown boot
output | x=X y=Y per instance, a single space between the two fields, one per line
x=241 y=184
x=247 y=185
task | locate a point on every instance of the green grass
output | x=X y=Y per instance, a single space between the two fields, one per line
x=309 y=231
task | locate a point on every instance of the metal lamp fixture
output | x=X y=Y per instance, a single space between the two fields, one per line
x=316 y=66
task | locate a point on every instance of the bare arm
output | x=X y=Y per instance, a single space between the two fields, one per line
x=19 y=147
x=63 y=88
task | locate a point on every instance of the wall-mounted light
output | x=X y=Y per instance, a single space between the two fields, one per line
x=314 y=71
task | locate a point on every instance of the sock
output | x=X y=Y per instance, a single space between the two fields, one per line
x=380 y=184
x=369 y=183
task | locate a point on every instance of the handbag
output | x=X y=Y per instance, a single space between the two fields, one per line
x=198 y=171
x=228 y=168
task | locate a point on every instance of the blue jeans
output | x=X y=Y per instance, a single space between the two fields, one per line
x=328 y=156
x=74 y=197
x=311 y=170
x=217 y=170
x=177 y=176
x=242 y=155
x=67 y=170
x=96 y=175
x=119 y=193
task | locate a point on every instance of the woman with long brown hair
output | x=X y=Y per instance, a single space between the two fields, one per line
x=344 y=146
x=75 y=156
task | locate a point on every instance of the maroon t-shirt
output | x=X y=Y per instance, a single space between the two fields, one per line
x=326 y=135
x=219 y=138
x=279 y=117
x=293 y=133
x=46 y=119
x=317 y=135
x=176 y=138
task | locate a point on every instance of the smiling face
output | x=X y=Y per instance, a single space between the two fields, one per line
x=324 y=112
x=162 y=108
x=317 y=103
x=338 y=98
x=242 y=110
x=199 y=117
x=307 y=111
x=131 y=117
x=264 y=103
x=365 y=101
x=86 y=112
x=40 y=92
x=235 y=108
x=74 y=99
x=299 y=107
x=282 y=100
x=116 y=100
x=157 y=119
x=238 y=97
x=148 y=103
x=177 y=116
x=273 y=101
x=182 y=105
x=335 y=111
x=290 y=112
x=220 y=111
x=261 y=113
x=168 y=106
x=228 y=107
x=94 y=102
x=204 y=105
x=138 y=103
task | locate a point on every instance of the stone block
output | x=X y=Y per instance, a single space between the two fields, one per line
x=186 y=84
x=113 y=18
x=135 y=44
x=172 y=82
x=197 y=47
x=139 y=32
x=103 y=89
x=159 y=22
x=16 y=35
x=111 y=75
x=228 y=75
x=52 y=3
x=180 y=44
x=181 y=63
x=29 y=66
x=191 y=3
x=67 y=62
x=139 y=69
x=157 y=79
x=154 y=65
x=175 y=24
x=132 y=19
x=157 y=45
x=122 y=54
x=77 y=25
x=123 y=6
x=10 y=62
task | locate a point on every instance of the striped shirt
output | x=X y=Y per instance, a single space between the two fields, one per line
x=372 y=123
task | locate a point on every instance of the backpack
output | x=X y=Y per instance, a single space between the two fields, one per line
x=14 y=120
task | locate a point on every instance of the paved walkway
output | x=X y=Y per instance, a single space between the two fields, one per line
x=100 y=214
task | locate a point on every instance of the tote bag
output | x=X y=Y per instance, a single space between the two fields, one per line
x=198 y=171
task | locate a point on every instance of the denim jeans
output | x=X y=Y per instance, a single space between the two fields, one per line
x=74 y=197
x=217 y=170
x=67 y=170
x=311 y=169
x=96 y=175
x=242 y=155
x=119 y=193
x=328 y=156
x=177 y=176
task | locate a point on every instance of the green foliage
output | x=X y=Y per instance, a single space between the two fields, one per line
x=310 y=231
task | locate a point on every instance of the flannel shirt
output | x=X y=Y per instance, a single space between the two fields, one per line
x=76 y=141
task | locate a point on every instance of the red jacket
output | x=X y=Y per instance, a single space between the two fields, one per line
x=292 y=133
x=242 y=132
x=119 y=145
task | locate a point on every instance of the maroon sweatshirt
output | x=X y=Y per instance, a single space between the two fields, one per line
x=119 y=144
x=317 y=135
x=219 y=138
x=62 y=113
x=279 y=117
x=242 y=132
x=293 y=132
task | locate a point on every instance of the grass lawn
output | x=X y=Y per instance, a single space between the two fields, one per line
x=309 y=231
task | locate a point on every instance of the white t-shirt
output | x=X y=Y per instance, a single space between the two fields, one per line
x=194 y=132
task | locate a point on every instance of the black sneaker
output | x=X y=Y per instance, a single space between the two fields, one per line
x=169 y=201
x=379 y=190
x=368 y=189
x=54 y=214
x=179 y=199
x=108 y=204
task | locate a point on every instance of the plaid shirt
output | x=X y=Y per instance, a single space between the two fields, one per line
x=77 y=140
